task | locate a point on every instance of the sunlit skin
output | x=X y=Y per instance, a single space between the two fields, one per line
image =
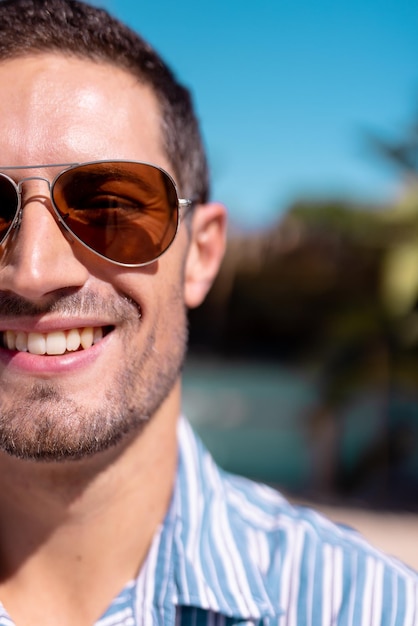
x=58 y=517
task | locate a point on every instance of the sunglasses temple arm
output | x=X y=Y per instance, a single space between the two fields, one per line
x=185 y=207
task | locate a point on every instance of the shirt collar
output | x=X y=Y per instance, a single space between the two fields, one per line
x=212 y=565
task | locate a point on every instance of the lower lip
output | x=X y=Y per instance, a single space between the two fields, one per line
x=51 y=365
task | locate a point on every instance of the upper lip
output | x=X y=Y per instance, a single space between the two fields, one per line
x=47 y=325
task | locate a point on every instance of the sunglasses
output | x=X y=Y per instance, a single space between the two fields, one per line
x=126 y=212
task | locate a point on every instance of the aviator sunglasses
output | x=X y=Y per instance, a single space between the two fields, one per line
x=126 y=212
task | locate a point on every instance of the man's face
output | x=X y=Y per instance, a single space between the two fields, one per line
x=55 y=109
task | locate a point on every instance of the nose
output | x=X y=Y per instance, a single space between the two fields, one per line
x=38 y=259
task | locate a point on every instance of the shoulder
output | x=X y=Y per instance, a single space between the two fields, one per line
x=328 y=567
x=273 y=558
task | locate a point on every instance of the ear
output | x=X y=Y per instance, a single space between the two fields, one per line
x=205 y=253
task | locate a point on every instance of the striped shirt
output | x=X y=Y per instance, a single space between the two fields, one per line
x=231 y=551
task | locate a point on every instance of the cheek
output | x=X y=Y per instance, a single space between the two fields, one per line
x=154 y=283
x=157 y=290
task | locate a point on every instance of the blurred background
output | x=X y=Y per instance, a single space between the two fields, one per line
x=303 y=365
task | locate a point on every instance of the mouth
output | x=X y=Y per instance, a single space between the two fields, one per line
x=53 y=343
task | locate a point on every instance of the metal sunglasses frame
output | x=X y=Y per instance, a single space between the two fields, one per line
x=184 y=204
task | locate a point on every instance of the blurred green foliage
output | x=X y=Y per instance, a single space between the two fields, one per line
x=333 y=288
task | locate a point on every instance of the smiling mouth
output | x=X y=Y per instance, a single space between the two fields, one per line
x=54 y=343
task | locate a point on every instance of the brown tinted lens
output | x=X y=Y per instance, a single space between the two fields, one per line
x=8 y=205
x=127 y=212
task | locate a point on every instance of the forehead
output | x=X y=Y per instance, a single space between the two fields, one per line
x=57 y=108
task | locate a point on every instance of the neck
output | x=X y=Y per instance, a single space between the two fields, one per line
x=56 y=518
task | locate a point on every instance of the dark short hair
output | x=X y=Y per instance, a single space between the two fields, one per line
x=78 y=29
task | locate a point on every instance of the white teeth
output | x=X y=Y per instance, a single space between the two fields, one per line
x=10 y=339
x=97 y=334
x=53 y=343
x=86 y=337
x=73 y=340
x=56 y=343
x=22 y=342
x=36 y=343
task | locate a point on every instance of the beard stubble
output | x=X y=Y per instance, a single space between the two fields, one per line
x=45 y=423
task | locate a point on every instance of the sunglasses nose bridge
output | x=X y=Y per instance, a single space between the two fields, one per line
x=19 y=185
x=19 y=192
x=19 y=188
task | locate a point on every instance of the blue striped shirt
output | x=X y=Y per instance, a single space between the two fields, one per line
x=231 y=551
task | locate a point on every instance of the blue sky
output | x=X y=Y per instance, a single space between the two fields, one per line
x=285 y=90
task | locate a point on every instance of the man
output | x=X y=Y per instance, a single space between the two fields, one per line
x=111 y=512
